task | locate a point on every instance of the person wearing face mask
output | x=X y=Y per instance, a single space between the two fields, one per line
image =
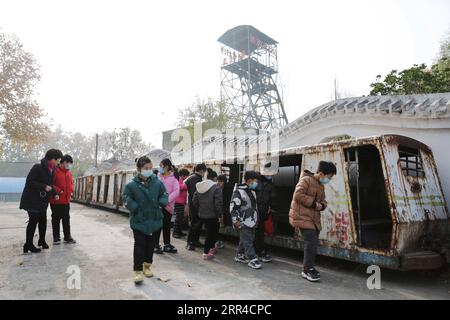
x=244 y=216
x=307 y=204
x=35 y=197
x=208 y=199
x=143 y=197
x=193 y=238
x=60 y=204
x=167 y=177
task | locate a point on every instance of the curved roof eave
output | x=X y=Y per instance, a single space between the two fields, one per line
x=421 y=106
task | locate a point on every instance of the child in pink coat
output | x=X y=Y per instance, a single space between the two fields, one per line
x=166 y=170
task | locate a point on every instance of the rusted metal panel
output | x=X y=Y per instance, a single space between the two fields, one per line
x=337 y=221
x=415 y=198
x=422 y=260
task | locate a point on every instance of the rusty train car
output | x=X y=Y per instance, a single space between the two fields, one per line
x=385 y=205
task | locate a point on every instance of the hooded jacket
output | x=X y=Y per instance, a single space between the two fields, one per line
x=34 y=197
x=208 y=200
x=303 y=213
x=144 y=201
x=243 y=207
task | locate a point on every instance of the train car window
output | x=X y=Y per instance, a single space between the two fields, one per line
x=411 y=162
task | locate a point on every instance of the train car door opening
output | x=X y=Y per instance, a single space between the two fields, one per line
x=370 y=205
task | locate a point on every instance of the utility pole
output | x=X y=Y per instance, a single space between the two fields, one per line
x=96 y=149
x=335 y=88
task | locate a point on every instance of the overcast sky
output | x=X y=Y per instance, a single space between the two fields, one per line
x=109 y=64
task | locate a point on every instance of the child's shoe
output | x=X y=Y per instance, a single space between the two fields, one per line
x=311 y=274
x=254 y=264
x=208 y=256
x=138 y=277
x=146 y=270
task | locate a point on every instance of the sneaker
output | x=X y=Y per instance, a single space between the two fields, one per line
x=265 y=258
x=208 y=256
x=254 y=264
x=170 y=248
x=70 y=241
x=241 y=258
x=311 y=275
x=220 y=245
x=190 y=247
x=158 y=250
x=56 y=242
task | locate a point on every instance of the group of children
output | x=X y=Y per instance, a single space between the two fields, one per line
x=153 y=198
x=156 y=198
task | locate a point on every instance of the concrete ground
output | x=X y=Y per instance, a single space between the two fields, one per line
x=104 y=255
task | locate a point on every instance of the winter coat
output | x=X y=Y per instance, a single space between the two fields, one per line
x=34 y=197
x=303 y=213
x=144 y=201
x=63 y=184
x=243 y=206
x=208 y=200
x=182 y=197
x=191 y=183
x=173 y=189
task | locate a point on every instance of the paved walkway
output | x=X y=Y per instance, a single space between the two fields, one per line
x=104 y=255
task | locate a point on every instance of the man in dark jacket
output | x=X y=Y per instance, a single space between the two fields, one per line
x=208 y=200
x=35 y=197
x=196 y=222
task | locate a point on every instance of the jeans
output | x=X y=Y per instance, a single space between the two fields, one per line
x=311 y=241
x=246 y=239
x=143 y=249
x=61 y=212
x=196 y=226
x=211 y=234
x=36 y=219
x=165 y=228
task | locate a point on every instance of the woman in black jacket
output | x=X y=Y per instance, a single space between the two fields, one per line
x=36 y=194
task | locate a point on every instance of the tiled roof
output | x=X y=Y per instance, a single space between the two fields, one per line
x=421 y=106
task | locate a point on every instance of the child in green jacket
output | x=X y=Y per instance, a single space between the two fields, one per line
x=144 y=196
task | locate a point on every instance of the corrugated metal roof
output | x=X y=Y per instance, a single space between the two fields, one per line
x=12 y=185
